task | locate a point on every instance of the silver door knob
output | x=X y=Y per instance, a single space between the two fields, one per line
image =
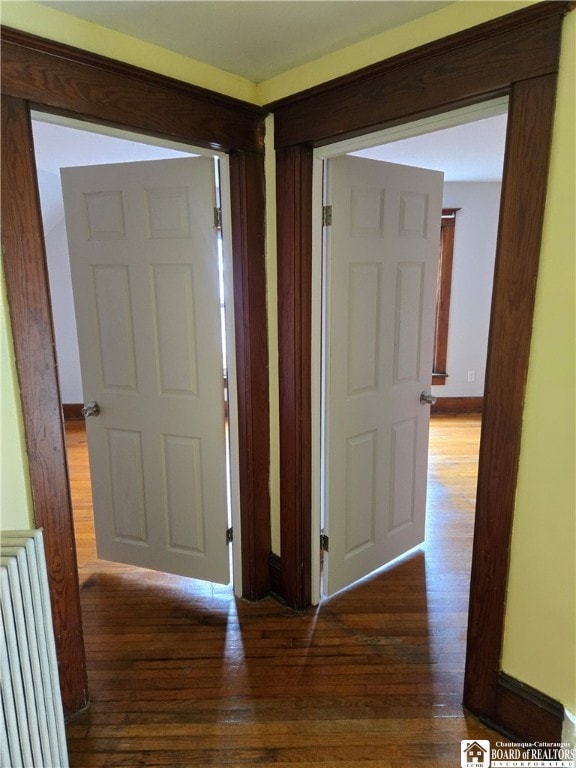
x=427 y=399
x=91 y=409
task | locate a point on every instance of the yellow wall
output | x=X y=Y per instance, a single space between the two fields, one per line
x=15 y=501
x=540 y=643
x=540 y=637
x=272 y=312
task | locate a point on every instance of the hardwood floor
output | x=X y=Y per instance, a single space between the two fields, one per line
x=183 y=675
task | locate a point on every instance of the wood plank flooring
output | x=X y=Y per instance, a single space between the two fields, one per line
x=183 y=675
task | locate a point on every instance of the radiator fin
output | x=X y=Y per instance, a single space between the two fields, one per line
x=32 y=723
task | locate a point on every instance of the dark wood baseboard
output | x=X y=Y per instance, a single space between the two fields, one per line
x=524 y=713
x=452 y=405
x=72 y=411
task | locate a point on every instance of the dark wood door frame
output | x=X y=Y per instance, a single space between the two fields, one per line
x=39 y=74
x=516 y=55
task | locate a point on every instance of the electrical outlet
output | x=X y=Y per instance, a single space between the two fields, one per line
x=471 y=375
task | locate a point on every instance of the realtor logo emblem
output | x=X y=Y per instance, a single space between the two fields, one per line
x=475 y=754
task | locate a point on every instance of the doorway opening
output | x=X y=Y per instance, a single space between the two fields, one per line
x=62 y=142
x=443 y=143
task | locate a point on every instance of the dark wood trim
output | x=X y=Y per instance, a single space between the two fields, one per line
x=61 y=50
x=516 y=56
x=52 y=77
x=29 y=301
x=275 y=576
x=457 y=405
x=294 y=172
x=530 y=119
x=526 y=714
x=294 y=199
x=248 y=246
x=72 y=411
x=443 y=294
x=464 y=68
x=70 y=81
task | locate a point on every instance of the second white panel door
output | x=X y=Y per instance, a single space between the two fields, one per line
x=381 y=259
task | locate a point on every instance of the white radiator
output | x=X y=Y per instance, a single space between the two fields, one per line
x=32 y=724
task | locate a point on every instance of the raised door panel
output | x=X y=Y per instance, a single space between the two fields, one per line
x=174 y=308
x=113 y=309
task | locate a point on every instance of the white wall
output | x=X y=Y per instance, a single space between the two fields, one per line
x=63 y=314
x=58 y=262
x=472 y=277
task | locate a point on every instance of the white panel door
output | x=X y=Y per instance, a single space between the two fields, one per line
x=380 y=288
x=144 y=261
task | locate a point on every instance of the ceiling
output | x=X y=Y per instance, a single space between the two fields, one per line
x=255 y=39
x=66 y=145
x=473 y=151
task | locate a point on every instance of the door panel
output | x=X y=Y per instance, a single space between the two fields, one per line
x=115 y=335
x=174 y=332
x=144 y=266
x=380 y=286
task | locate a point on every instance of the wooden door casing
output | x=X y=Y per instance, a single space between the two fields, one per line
x=516 y=55
x=48 y=76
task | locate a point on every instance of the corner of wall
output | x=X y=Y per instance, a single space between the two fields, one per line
x=271 y=288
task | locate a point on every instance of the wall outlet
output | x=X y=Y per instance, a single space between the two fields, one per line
x=471 y=375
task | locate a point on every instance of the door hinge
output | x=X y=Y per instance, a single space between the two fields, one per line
x=324 y=542
x=229 y=536
x=217 y=218
x=327 y=216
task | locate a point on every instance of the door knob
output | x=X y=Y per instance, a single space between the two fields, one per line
x=427 y=399
x=91 y=409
